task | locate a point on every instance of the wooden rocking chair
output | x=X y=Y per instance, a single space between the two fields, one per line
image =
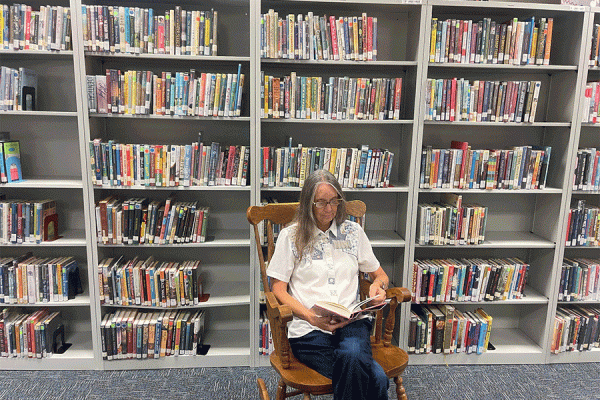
x=300 y=378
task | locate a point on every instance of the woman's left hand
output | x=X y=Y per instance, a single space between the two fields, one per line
x=375 y=290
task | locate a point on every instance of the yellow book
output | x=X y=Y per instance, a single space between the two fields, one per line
x=309 y=97
x=433 y=39
x=488 y=318
x=331 y=165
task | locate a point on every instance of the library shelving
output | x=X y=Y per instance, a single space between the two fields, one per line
x=528 y=224
x=52 y=165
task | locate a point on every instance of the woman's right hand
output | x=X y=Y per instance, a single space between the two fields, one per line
x=327 y=323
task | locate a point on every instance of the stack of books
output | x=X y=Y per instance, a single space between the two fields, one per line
x=22 y=28
x=443 y=329
x=333 y=98
x=150 y=282
x=28 y=221
x=583 y=225
x=179 y=93
x=450 y=222
x=140 y=221
x=18 y=89
x=313 y=37
x=576 y=328
x=457 y=100
x=444 y=280
x=196 y=164
x=522 y=167
x=579 y=280
x=489 y=42
x=29 y=335
x=32 y=280
x=128 y=334
x=354 y=168
x=136 y=30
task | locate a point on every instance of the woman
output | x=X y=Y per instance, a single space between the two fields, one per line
x=319 y=257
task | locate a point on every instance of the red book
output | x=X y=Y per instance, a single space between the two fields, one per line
x=28 y=27
x=464 y=146
x=334 y=42
x=230 y=159
x=19 y=222
x=449 y=283
x=397 y=95
x=430 y=292
x=453 y=100
x=480 y=100
x=370 y=38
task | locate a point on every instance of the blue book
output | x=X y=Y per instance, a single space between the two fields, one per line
x=187 y=165
x=127 y=32
x=120 y=179
x=482 y=332
x=12 y=161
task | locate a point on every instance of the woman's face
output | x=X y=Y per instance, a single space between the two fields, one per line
x=324 y=216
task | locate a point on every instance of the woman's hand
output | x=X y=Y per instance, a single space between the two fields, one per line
x=375 y=290
x=327 y=323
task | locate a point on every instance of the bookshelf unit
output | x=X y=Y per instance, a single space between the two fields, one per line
x=45 y=136
x=518 y=223
x=586 y=135
x=224 y=256
x=529 y=224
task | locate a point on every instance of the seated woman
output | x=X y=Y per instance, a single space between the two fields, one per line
x=319 y=257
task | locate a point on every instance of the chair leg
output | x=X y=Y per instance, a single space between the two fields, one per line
x=281 y=390
x=306 y=396
x=400 y=392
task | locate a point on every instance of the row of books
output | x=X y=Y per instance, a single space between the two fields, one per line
x=591 y=103
x=576 y=328
x=522 y=167
x=583 y=225
x=444 y=280
x=10 y=160
x=579 y=280
x=313 y=37
x=196 y=164
x=265 y=335
x=135 y=30
x=333 y=98
x=18 y=89
x=450 y=222
x=586 y=175
x=129 y=334
x=481 y=101
x=22 y=28
x=149 y=282
x=28 y=221
x=444 y=329
x=354 y=167
x=594 y=52
x=30 y=280
x=489 y=42
x=140 y=221
x=28 y=335
x=178 y=93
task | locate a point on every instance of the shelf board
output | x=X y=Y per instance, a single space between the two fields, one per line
x=396 y=188
x=592 y=192
x=217 y=238
x=81 y=300
x=511 y=124
x=337 y=121
x=576 y=356
x=171 y=188
x=331 y=63
x=37 y=53
x=47 y=183
x=505 y=5
x=385 y=239
x=579 y=302
x=171 y=117
x=79 y=356
x=221 y=295
x=41 y=113
x=227 y=350
x=509 y=240
x=532 y=297
x=493 y=191
x=506 y=67
x=163 y=57
x=512 y=347
x=70 y=238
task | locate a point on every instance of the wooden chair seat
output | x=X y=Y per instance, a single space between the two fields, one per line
x=300 y=377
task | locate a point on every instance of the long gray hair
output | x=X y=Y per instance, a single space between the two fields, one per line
x=305 y=216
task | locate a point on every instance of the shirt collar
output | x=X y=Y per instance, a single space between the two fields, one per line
x=332 y=231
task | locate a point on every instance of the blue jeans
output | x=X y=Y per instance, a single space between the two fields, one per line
x=345 y=357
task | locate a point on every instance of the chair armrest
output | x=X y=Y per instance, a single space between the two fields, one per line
x=397 y=295
x=401 y=294
x=279 y=315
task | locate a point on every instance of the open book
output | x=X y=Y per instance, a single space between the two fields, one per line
x=335 y=310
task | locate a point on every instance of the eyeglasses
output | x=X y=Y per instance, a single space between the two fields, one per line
x=323 y=203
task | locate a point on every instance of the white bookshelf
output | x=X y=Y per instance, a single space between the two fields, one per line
x=529 y=224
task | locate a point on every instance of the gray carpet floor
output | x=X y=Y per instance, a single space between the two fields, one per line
x=494 y=382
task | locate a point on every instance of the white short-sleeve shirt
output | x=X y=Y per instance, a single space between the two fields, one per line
x=328 y=271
